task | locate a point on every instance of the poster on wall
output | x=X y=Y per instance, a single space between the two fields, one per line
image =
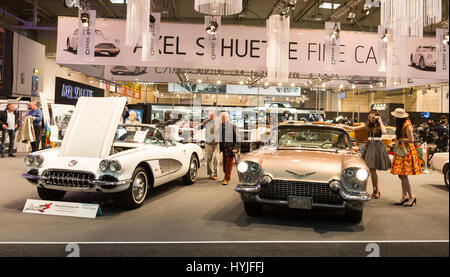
x=135 y=116
x=67 y=92
x=240 y=48
x=86 y=35
x=213 y=36
x=441 y=53
x=332 y=45
x=61 y=115
x=150 y=39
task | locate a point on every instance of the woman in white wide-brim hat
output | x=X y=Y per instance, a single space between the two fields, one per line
x=408 y=164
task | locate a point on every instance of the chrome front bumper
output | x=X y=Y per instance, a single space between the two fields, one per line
x=95 y=185
x=251 y=193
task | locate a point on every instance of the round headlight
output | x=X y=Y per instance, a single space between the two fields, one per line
x=114 y=166
x=266 y=179
x=38 y=160
x=104 y=165
x=242 y=167
x=362 y=174
x=29 y=160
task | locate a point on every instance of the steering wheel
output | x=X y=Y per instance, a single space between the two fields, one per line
x=327 y=142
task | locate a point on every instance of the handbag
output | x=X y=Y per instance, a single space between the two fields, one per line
x=400 y=150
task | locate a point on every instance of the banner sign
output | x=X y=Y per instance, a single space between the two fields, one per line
x=150 y=39
x=211 y=55
x=45 y=207
x=332 y=45
x=67 y=92
x=441 y=53
x=240 y=48
x=233 y=89
x=85 y=36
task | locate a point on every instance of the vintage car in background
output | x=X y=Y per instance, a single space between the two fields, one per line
x=424 y=57
x=439 y=162
x=104 y=46
x=128 y=70
x=305 y=166
x=99 y=155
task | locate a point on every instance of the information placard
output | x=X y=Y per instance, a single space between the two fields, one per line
x=47 y=207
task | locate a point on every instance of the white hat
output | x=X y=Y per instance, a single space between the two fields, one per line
x=400 y=113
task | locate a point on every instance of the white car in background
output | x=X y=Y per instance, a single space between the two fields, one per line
x=99 y=155
x=104 y=46
x=439 y=162
x=424 y=57
x=128 y=70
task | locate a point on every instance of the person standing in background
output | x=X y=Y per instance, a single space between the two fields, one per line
x=375 y=154
x=125 y=115
x=229 y=145
x=408 y=163
x=9 y=122
x=36 y=114
x=212 y=148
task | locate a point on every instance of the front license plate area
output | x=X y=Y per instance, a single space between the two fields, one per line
x=299 y=202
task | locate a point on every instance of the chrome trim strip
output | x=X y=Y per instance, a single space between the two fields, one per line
x=241 y=188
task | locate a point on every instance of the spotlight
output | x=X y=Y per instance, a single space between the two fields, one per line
x=292 y=3
x=280 y=84
x=285 y=11
x=371 y=86
x=199 y=81
x=72 y=3
x=353 y=86
x=445 y=41
x=266 y=84
x=385 y=37
x=219 y=82
x=366 y=9
x=212 y=28
x=324 y=85
x=241 y=82
x=341 y=86
x=335 y=32
x=351 y=16
x=84 y=17
x=292 y=84
x=152 y=19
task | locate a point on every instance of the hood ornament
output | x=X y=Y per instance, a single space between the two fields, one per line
x=301 y=173
x=73 y=162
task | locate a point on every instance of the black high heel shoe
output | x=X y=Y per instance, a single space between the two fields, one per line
x=401 y=203
x=412 y=203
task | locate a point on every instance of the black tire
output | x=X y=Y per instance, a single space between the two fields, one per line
x=252 y=208
x=422 y=64
x=354 y=216
x=446 y=173
x=191 y=175
x=412 y=61
x=136 y=193
x=50 y=194
x=68 y=45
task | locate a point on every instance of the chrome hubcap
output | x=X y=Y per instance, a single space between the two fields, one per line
x=193 y=170
x=139 y=187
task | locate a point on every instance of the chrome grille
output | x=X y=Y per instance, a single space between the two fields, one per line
x=65 y=178
x=280 y=190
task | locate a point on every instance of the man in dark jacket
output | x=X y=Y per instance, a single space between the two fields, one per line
x=229 y=145
x=9 y=122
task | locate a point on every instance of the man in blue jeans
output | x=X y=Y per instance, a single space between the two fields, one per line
x=36 y=113
x=9 y=122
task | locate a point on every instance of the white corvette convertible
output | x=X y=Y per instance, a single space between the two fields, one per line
x=99 y=155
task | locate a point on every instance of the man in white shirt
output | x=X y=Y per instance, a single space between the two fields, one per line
x=8 y=124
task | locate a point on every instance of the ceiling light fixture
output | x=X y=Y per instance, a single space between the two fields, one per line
x=385 y=37
x=219 y=82
x=445 y=40
x=218 y=7
x=351 y=16
x=199 y=81
x=366 y=9
x=353 y=86
x=241 y=82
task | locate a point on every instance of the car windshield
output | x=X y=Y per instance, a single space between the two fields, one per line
x=138 y=134
x=312 y=137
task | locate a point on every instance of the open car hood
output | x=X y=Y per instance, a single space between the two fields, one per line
x=92 y=127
